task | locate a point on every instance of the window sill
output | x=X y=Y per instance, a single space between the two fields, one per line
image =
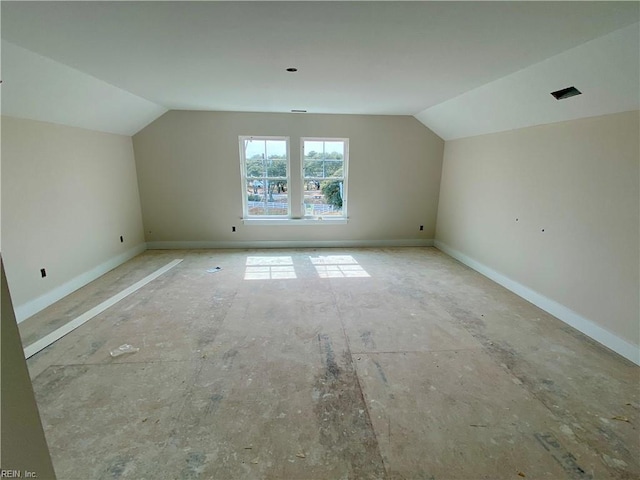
x=295 y=221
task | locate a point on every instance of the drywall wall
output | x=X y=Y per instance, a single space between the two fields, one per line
x=189 y=178
x=553 y=211
x=68 y=195
x=23 y=445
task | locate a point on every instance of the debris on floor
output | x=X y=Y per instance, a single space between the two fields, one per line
x=520 y=474
x=214 y=270
x=122 y=349
x=621 y=418
x=301 y=454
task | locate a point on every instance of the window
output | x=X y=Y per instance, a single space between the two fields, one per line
x=317 y=178
x=265 y=176
x=324 y=169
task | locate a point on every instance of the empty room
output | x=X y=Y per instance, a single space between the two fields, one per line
x=320 y=240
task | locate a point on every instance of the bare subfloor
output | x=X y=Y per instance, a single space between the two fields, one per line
x=327 y=364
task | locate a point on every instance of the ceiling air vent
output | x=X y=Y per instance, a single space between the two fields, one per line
x=566 y=93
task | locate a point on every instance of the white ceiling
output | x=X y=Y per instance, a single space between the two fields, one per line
x=353 y=57
x=605 y=70
x=39 y=88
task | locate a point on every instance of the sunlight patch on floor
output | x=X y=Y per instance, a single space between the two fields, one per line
x=269 y=268
x=338 y=266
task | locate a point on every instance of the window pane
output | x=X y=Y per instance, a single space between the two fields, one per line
x=334 y=150
x=276 y=149
x=267 y=196
x=277 y=197
x=313 y=149
x=323 y=198
x=323 y=168
x=333 y=168
x=255 y=149
x=277 y=168
x=313 y=168
x=256 y=167
x=255 y=188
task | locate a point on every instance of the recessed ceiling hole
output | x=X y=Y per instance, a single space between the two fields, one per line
x=566 y=93
x=292 y=69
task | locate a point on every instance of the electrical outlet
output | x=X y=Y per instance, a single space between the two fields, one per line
x=233 y=229
x=121 y=239
x=421 y=227
x=43 y=272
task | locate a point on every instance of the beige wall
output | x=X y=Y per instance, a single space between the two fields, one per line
x=67 y=196
x=577 y=180
x=23 y=445
x=189 y=176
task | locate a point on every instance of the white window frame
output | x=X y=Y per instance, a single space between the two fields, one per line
x=243 y=169
x=345 y=167
x=296 y=214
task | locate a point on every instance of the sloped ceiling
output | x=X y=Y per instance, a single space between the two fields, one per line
x=403 y=58
x=39 y=88
x=605 y=70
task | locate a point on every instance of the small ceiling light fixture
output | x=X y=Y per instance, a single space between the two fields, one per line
x=566 y=93
x=292 y=69
x=298 y=111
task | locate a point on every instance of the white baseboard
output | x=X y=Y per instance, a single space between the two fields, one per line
x=57 y=334
x=32 y=307
x=577 y=321
x=186 y=245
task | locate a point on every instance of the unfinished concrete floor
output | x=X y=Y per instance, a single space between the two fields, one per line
x=395 y=363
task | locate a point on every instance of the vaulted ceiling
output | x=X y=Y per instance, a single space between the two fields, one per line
x=462 y=68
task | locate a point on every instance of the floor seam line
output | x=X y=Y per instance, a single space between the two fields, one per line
x=362 y=397
x=367 y=352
